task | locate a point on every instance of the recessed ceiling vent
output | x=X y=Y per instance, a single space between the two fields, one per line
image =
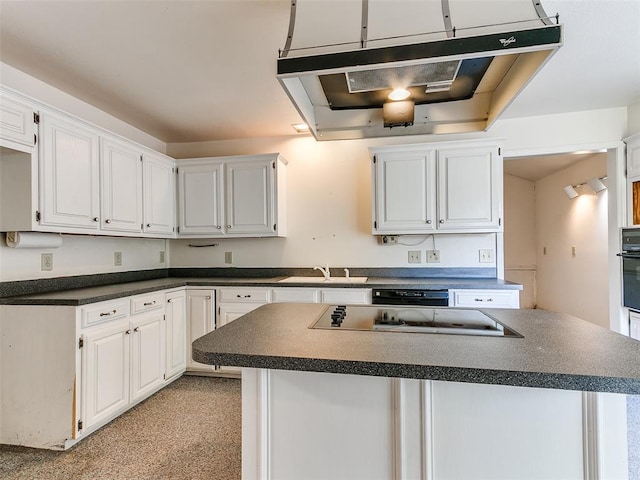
x=442 y=73
x=459 y=63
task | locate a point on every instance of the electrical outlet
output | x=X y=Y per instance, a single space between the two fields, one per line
x=414 y=256
x=46 y=261
x=486 y=256
x=389 y=239
x=161 y=256
x=228 y=257
x=433 y=256
x=117 y=259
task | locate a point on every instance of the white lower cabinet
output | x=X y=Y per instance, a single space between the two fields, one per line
x=105 y=367
x=235 y=302
x=52 y=394
x=176 y=333
x=484 y=298
x=374 y=427
x=200 y=320
x=123 y=361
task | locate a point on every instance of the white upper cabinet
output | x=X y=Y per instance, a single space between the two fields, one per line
x=469 y=188
x=200 y=186
x=17 y=124
x=121 y=186
x=431 y=188
x=404 y=182
x=250 y=197
x=69 y=174
x=61 y=174
x=159 y=195
x=240 y=196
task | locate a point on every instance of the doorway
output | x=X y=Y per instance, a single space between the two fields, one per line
x=557 y=246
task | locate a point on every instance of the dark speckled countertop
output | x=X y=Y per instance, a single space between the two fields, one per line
x=86 y=295
x=557 y=351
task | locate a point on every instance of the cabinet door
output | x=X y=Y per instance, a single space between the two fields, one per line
x=404 y=186
x=159 y=195
x=200 y=199
x=201 y=318
x=251 y=197
x=176 y=334
x=105 y=368
x=227 y=313
x=121 y=182
x=69 y=177
x=469 y=188
x=17 y=122
x=147 y=354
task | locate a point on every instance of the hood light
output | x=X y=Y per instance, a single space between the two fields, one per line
x=399 y=94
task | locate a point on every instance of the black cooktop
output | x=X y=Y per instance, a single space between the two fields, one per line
x=412 y=319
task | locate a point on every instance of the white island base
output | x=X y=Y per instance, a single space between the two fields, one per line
x=302 y=425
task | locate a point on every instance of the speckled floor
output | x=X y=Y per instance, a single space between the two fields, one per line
x=189 y=430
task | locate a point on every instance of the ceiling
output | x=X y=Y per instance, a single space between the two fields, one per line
x=186 y=71
x=540 y=166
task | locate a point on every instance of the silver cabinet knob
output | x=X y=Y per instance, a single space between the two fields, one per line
x=148 y=225
x=128 y=332
x=228 y=226
x=429 y=222
x=108 y=220
x=441 y=221
x=137 y=329
x=96 y=219
x=218 y=227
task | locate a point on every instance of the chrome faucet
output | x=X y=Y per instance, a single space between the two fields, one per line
x=325 y=271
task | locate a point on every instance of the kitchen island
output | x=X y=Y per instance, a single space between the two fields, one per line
x=362 y=404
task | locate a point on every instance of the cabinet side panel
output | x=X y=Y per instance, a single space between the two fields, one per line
x=355 y=413
x=492 y=431
x=38 y=374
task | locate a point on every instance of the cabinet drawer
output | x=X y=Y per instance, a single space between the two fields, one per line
x=346 y=295
x=103 y=312
x=486 y=298
x=246 y=295
x=144 y=303
x=294 y=294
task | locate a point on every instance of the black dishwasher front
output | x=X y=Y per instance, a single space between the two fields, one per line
x=430 y=298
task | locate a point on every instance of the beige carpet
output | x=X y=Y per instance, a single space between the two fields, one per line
x=189 y=430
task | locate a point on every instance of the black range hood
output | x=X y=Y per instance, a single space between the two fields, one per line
x=457 y=84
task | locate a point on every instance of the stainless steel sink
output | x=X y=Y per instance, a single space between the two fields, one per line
x=322 y=280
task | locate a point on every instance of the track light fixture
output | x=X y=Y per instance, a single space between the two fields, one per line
x=595 y=183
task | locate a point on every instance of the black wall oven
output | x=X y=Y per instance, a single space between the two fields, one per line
x=631 y=268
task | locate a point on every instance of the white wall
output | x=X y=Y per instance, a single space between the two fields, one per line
x=520 y=236
x=81 y=255
x=633 y=114
x=577 y=285
x=329 y=214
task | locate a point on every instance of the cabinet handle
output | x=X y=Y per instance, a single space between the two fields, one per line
x=146 y=304
x=484 y=299
x=106 y=314
x=243 y=296
x=128 y=332
x=148 y=225
x=169 y=300
x=137 y=329
x=108 y=220
x=218 y=227
x=228 y=226
x=96 y=219
x=441 y=221
x=429 y=222
x=208 y=297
